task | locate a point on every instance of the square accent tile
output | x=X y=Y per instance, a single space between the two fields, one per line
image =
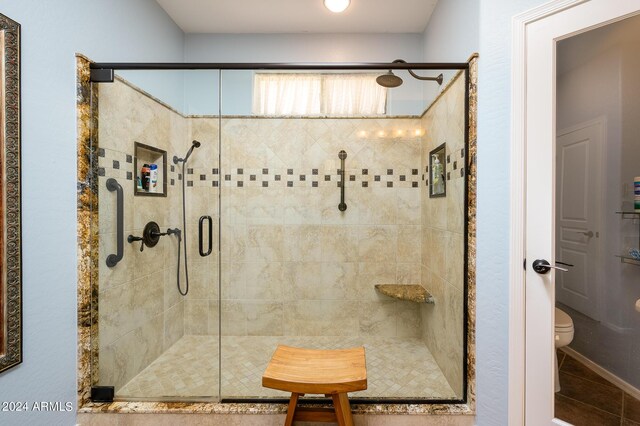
x=414 y=171
x=414 y=184
x=314 y=184
x=289 y=171
x=252 y=177
x=129 y=176
x=189 y=183
x=389 y=184
x=100 y=152
x=376 y=178
x=303 y=177
x=327 y=178
x=265 y=184
x=278 y=177
x=189 y=171
x=240 y=171
x=116 y=164
x=213 y=171
x=365 y=171
x=314 y=171
x=227 y=177
x=203 y=177
x=365 y=184
x=240 y=184
x=389 y=171
x=289 y=184
x=403 y=178
x=265 y=171
x=129 y=159
x=214 y=183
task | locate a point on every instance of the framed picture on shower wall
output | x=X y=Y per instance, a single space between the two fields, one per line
x=438 y=172
x=10 y=202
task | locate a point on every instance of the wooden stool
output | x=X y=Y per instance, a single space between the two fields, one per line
x=329 y=372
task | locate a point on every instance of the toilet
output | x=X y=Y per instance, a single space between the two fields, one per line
x=562 y=337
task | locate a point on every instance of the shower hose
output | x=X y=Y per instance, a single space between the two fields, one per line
x=183 y=240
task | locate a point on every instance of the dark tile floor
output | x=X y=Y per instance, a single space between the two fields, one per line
x=587 y=399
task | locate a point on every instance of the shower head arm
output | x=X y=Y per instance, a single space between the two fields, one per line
x=439 y=78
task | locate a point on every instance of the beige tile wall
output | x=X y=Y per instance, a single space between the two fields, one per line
x=443 y=237
x=141 y=313
x=292 y=263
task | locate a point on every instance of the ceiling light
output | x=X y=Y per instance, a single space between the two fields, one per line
x=336 y=6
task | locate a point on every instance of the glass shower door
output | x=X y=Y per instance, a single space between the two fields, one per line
x=157 y=226
x=300 y=269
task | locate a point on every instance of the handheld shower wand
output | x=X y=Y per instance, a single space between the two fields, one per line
x=194 y=144
x=183 y=240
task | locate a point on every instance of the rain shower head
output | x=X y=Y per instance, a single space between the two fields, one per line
x=390 y=80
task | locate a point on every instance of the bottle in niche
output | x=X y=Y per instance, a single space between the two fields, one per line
x=153 y=178
x=144 y=175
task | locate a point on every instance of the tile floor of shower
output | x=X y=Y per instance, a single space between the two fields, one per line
x=396 y=368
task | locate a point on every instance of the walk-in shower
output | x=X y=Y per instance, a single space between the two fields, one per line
x=308 y=211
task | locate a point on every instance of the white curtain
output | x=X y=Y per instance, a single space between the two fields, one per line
x=318 y=94
x=286 y=94
x=353 y=94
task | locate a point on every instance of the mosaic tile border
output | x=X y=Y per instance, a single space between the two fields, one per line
x=87 y=262
x=120 y=165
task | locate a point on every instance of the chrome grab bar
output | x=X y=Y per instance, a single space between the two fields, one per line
x=113 y=259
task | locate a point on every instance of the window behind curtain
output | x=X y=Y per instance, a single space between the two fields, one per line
x=318 y=95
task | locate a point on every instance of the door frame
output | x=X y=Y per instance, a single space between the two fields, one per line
x=526 y=42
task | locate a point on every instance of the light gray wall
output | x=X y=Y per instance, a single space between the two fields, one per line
x=494 y=115
x=452 y=35
x=237 y=85
x=52 y=32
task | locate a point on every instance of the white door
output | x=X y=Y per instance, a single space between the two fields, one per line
x=578 y=186
x=532 y=295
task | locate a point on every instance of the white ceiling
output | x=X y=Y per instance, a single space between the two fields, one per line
x=298 y=16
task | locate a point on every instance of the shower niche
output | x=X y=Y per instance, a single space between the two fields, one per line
x=149 y=182
x=284 y=264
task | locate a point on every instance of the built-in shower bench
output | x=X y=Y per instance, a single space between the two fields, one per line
x=410 y=292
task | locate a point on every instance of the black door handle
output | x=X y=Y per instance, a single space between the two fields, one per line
x=200 y=235
x=541 y=266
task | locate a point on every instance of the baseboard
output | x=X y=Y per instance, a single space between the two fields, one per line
x=605 y=374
